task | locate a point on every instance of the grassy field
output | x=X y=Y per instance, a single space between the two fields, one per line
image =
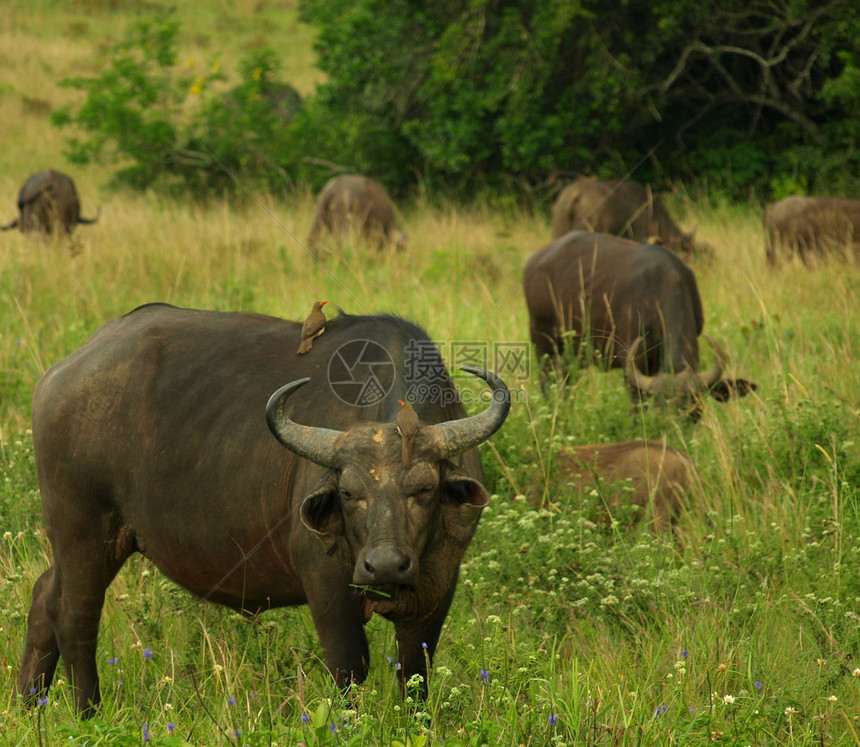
x=563 y=630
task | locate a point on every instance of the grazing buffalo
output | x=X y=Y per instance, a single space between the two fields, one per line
x=621 y=208
x=809 y=226
x=171 y=433
x=357 y=203
x=649 y=475
x=48 y=199
x=611 y=293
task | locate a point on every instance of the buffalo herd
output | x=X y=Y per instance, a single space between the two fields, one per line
x=203 y=441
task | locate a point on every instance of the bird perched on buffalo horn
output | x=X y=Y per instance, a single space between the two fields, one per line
x=313 y=327
x=407 y=426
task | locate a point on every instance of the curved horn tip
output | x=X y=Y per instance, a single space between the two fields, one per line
x=629 y=358
x=284 y=391
x=501 y=393
x=634 y=376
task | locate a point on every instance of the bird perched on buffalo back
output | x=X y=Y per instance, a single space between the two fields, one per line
x=407 y=426
x=313 y=327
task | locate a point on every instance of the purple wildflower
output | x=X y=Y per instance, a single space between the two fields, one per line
x=32 y=691
x=147 y=653
x=398 y=666
x=306 y=717
x=485 y=675
x=685 y=653
x=43 y=701
x=146 y=732
x=424 y=646
x=170 y=727
x=332 y=728
x=237 y=733
x=231 y=701
x=660 y=710
x=758 y=685
x=113 y=660
x=553 y=719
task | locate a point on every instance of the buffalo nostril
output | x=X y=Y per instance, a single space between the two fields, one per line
x=405 y=566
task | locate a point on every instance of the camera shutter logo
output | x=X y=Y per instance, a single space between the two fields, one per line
x=361 y=373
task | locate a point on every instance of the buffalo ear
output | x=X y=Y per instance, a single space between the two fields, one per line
x=463 y=500
x=727 y=389
x=320 y=512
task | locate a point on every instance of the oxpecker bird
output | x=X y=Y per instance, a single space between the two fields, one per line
x=313 y=327
x=407 y=426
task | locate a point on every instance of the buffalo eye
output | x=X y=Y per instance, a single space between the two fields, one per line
x=345 y=495
x=423 y=495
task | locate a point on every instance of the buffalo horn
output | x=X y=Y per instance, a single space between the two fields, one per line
x=635 y=377
x=453 y=437
x=706 y=379
x=700 y=381
x=311 y=442
x=657 y=384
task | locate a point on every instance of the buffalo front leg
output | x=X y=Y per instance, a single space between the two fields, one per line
x=340 y=627
x=41 y=650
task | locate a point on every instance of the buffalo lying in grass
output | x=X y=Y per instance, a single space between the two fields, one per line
x=650 y=476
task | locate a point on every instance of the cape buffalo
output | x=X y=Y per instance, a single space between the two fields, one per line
x=810 y=226
x=357 y=203
x=658 y=476
x=621 y=208
x=48 y=199
x=612 y=293
x=153 y=438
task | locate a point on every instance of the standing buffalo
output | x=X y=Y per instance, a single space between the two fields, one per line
x=357 y=203
x=153 y=438
x=612 y=293
x=48 y=199
x=621 y=208
x=811 y=225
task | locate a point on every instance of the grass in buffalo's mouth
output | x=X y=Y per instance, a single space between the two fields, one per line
x=376 y=591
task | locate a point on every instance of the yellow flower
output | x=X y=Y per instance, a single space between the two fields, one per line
x=257 y=74
x=197 y=86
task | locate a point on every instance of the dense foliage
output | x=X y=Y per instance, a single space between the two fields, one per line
x=740 y=93
x=755 y=95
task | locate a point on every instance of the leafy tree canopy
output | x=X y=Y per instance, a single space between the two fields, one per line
x=759 y=95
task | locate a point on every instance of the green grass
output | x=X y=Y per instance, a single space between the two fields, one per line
x=745 y=632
